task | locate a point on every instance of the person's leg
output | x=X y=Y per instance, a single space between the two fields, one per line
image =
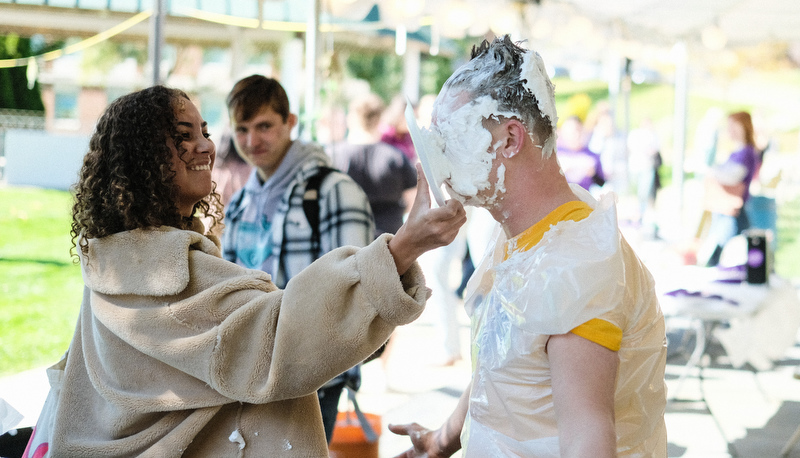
x=742 y=222
x=439 y=266
x=445 y=300
x=722 y=229
x=329 y=405
x=467 y=269
x=644 y=190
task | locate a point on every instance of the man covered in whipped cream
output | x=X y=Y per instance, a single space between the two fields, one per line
x=568 y=340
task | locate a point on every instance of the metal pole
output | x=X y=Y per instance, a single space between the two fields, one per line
x=411 y=70
x=156 y=42
x=679 y=135
x=614 y=74
x=622 y=170
x=313 y=42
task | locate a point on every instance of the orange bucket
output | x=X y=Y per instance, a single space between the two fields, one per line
x=348 y=439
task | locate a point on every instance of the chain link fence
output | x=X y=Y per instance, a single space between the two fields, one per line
x=16 y=119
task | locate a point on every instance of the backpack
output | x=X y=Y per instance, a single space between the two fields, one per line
x=311 y=209
x=311 y=206
x=352 y=376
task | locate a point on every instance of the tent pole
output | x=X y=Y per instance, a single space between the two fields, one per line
x=156 y=41
x=313 y=41
x=679 y=134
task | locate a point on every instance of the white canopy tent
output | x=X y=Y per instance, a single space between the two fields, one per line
x=737 y=22
x=686 y=34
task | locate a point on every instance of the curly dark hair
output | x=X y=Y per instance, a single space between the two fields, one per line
x=126 y=182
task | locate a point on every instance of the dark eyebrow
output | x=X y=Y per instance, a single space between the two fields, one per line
x=188 y=124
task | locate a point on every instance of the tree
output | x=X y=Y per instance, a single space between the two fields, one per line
x=15 y=92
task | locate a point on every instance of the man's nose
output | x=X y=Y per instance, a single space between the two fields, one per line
x=251 y=138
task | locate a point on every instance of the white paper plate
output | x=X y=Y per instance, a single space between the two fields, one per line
x=421 y=147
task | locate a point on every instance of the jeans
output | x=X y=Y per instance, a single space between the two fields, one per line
x=722 y=229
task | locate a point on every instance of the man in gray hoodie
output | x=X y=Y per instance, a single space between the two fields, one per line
x=266 y=225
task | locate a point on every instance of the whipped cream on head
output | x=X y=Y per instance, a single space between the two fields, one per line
x=536 y=80
x=501 y=81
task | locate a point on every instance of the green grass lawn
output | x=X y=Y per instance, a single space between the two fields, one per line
x=787 y=256
x=40 y=287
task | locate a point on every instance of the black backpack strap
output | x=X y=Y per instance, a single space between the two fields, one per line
x=311 y=206
x=235 y=202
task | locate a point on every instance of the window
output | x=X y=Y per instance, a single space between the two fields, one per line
x=66 y=110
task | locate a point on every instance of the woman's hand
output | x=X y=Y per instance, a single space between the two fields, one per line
x=425 y=228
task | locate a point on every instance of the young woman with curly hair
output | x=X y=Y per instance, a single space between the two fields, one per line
x=180 y=352
x=127 y=177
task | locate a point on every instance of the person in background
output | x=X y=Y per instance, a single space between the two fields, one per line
x=231 y=171
x=382 y=171
x=727 y=189
x=394 y=129
x=332 y=125
x=580 y=164
x=568 y=340
x=178 y=352
x=606 y=141
x=645 y=161
x=444 y=272
x=706 y=139
x=266 y=226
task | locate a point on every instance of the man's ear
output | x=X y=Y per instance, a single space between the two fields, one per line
x=291 y=120
x=515 y=134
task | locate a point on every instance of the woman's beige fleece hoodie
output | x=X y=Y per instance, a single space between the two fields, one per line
x=176 y=349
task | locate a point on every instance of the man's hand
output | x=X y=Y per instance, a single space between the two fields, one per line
x=425 y=228
x=441 y=443
x=424 y=442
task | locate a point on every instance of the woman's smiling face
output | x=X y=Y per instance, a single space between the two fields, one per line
x=193 y=159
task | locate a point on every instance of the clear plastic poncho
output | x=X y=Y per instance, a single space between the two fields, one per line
x=578 y=271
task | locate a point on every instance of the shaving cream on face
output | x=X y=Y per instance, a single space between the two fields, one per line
x=499 y=187
x=467 y=153
x=534 y=73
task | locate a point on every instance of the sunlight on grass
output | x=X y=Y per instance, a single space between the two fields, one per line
x=40 y=287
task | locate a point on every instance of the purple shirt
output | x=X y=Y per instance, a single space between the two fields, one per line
x=582 y=167
x=747 y=158
x=400 y=141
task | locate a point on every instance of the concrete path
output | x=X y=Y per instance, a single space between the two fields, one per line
x=726 y=413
